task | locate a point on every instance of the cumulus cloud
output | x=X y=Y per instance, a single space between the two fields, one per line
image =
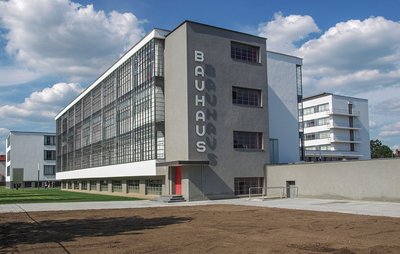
x=62 y=37
x=41 y=107
x=283 y=32
x=353 y=56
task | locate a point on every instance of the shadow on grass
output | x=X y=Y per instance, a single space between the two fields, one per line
x=14 y=233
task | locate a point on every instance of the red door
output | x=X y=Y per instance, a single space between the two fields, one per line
x=178 y=180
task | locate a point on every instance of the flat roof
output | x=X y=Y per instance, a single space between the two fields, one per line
x=32 y=133
x=278 y=53
x=216 y=27
x=328 y=94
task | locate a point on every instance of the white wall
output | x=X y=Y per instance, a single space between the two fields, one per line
x=282 y=103
x=27 y=151
x=361 y=180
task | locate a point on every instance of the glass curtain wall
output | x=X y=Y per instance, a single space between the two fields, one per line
x=121 y=120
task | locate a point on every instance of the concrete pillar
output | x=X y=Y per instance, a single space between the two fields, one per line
x=142 y=186
x=110 y=186
x=124 y=186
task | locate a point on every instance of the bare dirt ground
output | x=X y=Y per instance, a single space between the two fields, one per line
x=197 y=229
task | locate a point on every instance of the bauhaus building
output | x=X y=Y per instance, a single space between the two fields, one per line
x=183 y=112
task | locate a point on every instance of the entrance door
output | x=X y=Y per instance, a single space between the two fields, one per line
x=178 y=180
x=291 y=189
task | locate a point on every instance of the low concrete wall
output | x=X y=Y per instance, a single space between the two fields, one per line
x=360 y=180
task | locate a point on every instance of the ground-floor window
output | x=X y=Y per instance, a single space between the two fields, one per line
x=93 y=185
x=245 y=184
x=76 y=185
x=117 y=186
x=63 y=184
x=133 y=186
x=69 y=185
x=103 y=185
x=84 y=185
x=154 y=186
x=28 y=184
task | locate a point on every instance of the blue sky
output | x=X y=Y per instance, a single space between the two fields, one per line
x=52 y=49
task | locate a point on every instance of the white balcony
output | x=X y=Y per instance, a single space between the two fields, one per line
x=345 y=126
x=342 y=139
x=343 y=112
x=328 y=153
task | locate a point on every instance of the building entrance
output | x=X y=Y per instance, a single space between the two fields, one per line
x=178 y=180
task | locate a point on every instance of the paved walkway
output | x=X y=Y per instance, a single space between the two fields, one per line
x=324 y=205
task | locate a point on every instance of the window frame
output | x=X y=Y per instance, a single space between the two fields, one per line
x=259 y=142
x=240 y=52
x=243 y=91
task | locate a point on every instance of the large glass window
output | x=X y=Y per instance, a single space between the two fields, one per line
x=154 y=186
x=246 y=96
x=244 y=185
x=133 y=186
x=49 y=170
x=315 y=109
x=8 y=170
x=49 y=155
x=317 y=122
x=317 y=135
x=247 y=140
x=244 y=52
x=116 y=122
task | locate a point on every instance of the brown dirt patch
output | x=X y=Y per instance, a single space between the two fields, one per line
x=198 y=229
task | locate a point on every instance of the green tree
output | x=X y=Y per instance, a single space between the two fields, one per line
x=379 y=150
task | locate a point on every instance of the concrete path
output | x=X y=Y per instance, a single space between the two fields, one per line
x=323 y=205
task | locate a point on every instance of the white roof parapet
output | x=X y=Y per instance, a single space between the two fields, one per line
x=154 y=34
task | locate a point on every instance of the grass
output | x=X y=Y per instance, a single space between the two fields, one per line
x=13 y=196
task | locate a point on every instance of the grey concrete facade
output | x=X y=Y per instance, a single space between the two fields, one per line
x=221 y=73
x=359 y=180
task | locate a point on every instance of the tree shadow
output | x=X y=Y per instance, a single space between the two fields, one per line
x=47 y=231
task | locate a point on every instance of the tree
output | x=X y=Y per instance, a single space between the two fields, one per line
x=379 y=150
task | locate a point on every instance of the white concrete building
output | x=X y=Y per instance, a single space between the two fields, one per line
x=284 y=102
x=335 y=128
x=30 y=159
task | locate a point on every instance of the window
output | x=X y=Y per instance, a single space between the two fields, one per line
x=317 y=135
x=50 y=140
x=244 y=52
x=315 y=109
x=49 y=155
x=103 y=185
x=246 y=96
x=8 y=141
x=93 y=185
x=49 y=170
x=317 y=122
x=247 y=140
x=8 y=170
x=133 y=186
x=154 y=186
x=84 y=185
x=244 y=184
x=117 y=186
x=8 y=156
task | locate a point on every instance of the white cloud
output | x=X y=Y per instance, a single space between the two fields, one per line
x=10 y=76
x=63 y=37
x=282 y=32
x=390 y=130
x=353 y=56
x=40 y=107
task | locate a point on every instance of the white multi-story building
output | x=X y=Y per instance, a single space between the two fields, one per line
x=335 y=128
x=30 y=159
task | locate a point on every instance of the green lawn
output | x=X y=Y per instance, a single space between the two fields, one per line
x=33 y=195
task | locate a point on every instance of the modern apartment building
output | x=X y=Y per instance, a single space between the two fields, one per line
x=335 y=128
x=285 y=95
x=30 y=159
x=183 y=112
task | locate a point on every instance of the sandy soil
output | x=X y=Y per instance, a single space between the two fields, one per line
x=200 y=229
